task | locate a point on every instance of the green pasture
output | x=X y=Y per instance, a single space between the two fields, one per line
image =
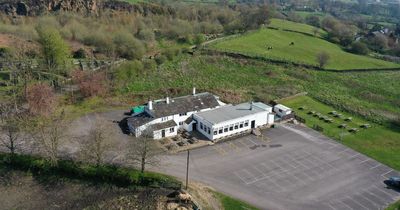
x=303 y=50
x=293 y=26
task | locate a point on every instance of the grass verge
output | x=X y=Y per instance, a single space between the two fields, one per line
x=229 y=203
x=395 y=206
x=378 y=142
x=119 y=176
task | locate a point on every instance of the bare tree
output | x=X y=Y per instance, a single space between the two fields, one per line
x=322 y=59
x=49 y=134
x=41 y=99
x=143 y=151
x=11 y=125
x=315 y=31
x=97 y=142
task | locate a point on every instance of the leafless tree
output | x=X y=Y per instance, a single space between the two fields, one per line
x=49 y=134
x=97 y=142
x=322 y=59
x=11 y=125
x=143 y=151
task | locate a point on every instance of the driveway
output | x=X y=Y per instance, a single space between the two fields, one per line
x=296 y=168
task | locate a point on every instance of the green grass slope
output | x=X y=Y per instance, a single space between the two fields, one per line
x=293 y=26
x=303 y=51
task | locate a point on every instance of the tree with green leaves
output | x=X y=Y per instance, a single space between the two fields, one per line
x=55 y=50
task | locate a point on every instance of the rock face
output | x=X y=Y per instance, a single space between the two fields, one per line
x=39 y=7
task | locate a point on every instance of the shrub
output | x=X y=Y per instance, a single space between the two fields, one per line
x=128 y=46
x=80 y=54
x=359 y=48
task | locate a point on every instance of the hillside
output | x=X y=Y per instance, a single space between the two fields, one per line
x=303 y=51
x=298 y=27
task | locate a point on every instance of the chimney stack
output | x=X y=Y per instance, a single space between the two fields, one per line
x=194 y=91
x=150 y=105
x=167 y=100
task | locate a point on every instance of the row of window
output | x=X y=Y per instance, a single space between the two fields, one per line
x=225 y=129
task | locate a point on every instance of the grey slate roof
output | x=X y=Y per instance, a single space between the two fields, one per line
x=184 y=104
x=139 y=120
x=163 y=125
x=229 y=112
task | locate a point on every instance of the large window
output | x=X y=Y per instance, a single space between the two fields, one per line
x=220 y=130
x=171 y=130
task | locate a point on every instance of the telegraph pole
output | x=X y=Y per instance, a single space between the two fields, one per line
x=187 y=169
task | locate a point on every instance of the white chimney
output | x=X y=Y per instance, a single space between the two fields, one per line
x=194 y=91
x=167 y=100
x=150 y=105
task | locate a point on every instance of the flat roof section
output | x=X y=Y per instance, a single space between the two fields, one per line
x=229 y=112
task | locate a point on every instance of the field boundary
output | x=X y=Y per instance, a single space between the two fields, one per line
x=208 y=51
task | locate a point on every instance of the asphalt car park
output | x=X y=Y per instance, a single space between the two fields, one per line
x=292 y=167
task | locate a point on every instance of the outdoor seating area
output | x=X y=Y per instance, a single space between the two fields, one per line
x=345 y=122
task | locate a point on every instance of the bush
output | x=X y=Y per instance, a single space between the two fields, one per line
x=359 y=48
x=80 y=54
x=128 y=46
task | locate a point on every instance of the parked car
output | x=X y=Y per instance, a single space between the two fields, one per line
x=393 y=181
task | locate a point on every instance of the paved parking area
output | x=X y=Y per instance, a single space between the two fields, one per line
x=292 y=168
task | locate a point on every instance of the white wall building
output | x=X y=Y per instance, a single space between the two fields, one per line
x=233 y=119
x=282 y=110
x=164 y=117
x=202 y=112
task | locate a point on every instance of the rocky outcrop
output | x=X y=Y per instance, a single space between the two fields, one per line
x=39 y=7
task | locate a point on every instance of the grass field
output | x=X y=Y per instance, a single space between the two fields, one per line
x=303 y=51
x=230 y=203
x=395 y=206
x=378 y=142
x=289 y=25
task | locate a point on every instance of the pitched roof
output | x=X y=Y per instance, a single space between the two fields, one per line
x=163 y=125
x=139 y=120
x=229 y=112
x=184 y=104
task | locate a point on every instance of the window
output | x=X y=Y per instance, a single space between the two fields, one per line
x=183 y=114
x=215 y=132
x=231 y=128
x=171 y=130
x=201 y=125
x=164 y=119
x=226 y=129
x=180 y=123
x=236 y=126
x=209 y=130
x=280 y=110
x=241 y=125
x=246 y=123
x=220 y=130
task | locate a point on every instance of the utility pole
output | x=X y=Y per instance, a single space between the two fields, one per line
x=187 y=169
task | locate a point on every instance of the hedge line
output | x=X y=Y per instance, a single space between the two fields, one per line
x=120 y=176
